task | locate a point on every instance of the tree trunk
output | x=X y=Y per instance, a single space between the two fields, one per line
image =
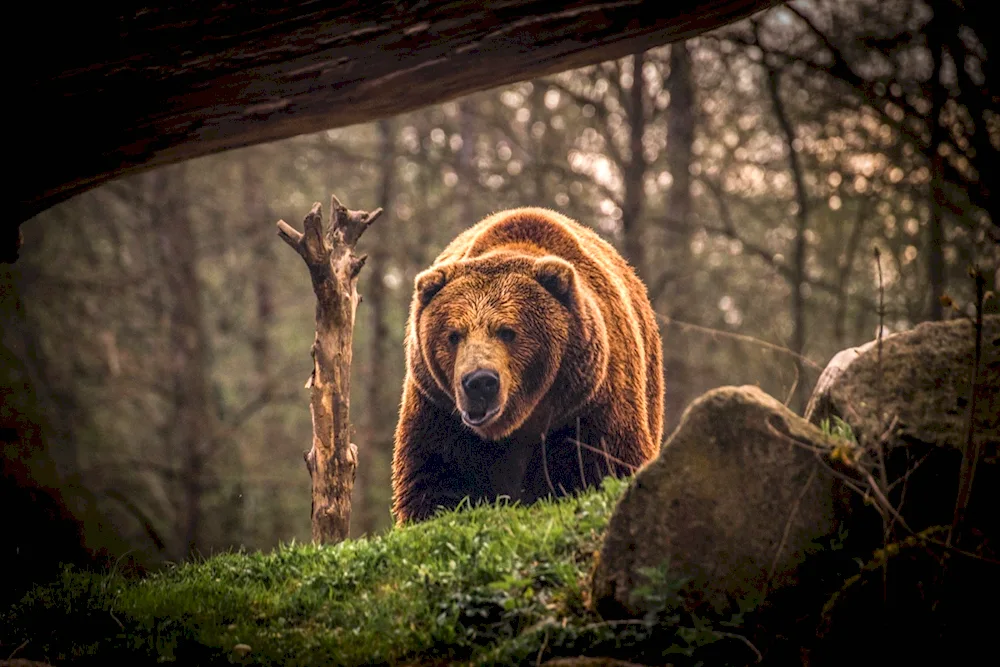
x=39 y=529
x=332 y=461
x=262 y=263
x=191 y=424
x=467 y=172
x=798 y=280
x=377 y=443
x=846 y=268
x=635 y=173
x=939 y=134
x=680 y=133
x=680 y=138
x=539 y=155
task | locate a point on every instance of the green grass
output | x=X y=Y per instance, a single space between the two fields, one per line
x=838 y=428
x=488 y=585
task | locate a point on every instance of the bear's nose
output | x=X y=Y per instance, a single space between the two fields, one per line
x=481 y=385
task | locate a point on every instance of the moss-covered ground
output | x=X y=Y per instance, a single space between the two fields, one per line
x=487 y=585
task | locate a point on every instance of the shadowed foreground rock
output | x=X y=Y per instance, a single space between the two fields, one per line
x=923 y=390
x=915 y=601
x=733 y=502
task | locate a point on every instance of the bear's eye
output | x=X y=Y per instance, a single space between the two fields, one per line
x=454 y=338
x=506 y=334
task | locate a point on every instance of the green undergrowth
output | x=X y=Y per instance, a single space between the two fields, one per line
x=487 y=585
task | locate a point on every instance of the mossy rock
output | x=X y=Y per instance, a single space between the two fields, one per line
x=733 y=504
x=923 y=387
x=916 y=403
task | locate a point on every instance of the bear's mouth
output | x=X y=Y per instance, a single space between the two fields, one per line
x=476 y=418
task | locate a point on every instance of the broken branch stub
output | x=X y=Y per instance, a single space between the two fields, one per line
x=334 y=267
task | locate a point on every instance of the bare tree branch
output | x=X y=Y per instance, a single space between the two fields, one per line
x=333 y=266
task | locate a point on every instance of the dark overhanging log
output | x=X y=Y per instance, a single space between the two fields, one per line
x=124 y=87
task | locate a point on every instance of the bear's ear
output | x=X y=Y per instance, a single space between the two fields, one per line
x=429 y=283
x=557 y=276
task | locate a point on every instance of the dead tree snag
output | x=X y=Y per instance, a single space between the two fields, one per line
x=334 y=267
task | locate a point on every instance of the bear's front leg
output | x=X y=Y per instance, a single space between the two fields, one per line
x=437 y=461
x=580 y=455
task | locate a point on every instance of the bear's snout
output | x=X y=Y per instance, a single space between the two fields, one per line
x=480 y=399
x=481 y=387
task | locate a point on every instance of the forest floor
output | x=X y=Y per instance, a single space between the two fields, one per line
x=490 y=585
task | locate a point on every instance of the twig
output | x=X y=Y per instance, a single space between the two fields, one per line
x=795 y=385
x=743 y=338
x=541 y=651
x=910 y=470
x=22 y=645
x=819 y=452
x=608 y=456
x=147 y=523
x=881 y=503
x=884 y=501
x=881 y=445
x=879 y=453
x=788 y=523
x=970 y=456
x=607 y=459
x=741 y=638
x=902 y=492
x=545 y=467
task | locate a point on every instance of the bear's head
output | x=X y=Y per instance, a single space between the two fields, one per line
x=506 y=337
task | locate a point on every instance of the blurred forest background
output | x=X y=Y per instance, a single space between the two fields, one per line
x=156 y=331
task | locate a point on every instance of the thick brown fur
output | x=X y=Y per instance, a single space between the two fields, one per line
x=567 y=326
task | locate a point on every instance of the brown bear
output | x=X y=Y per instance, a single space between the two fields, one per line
x=533 y=367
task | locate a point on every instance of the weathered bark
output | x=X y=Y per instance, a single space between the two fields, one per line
x=334 y=267
x=152 y=84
